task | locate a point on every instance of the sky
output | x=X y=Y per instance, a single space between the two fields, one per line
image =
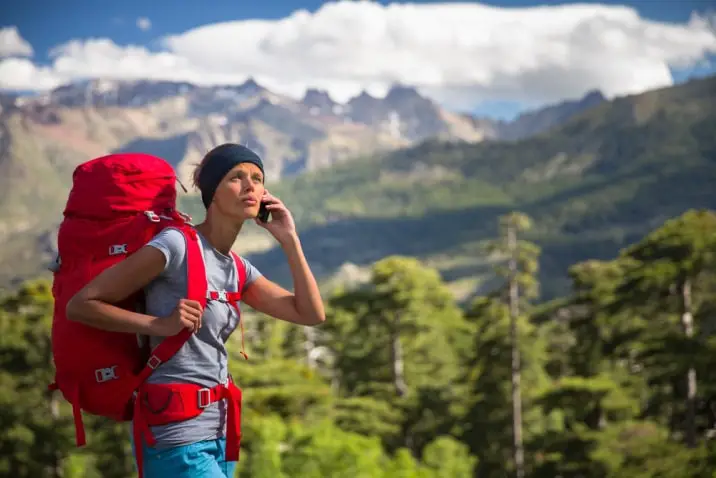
x=492 y=57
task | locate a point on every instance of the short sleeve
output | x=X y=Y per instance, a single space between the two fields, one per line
x=252 y=273
x=170 y=242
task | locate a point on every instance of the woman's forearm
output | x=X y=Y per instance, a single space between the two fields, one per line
x=101 y=315
x=309 y=303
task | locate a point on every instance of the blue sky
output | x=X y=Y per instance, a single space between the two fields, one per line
x=45 y=24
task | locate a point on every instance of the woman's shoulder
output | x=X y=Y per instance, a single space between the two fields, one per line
x=171 y=242
x=169 y=238
x=251 y=272
x=169 y=235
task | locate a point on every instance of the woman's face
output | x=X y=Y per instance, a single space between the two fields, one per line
x=239 y=193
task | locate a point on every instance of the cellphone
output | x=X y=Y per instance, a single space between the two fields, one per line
x=264 y=213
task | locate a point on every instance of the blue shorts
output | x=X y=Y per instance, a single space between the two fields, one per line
x=203 y=459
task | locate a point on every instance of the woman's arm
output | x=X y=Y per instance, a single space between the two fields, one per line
x=92 y=305
x=304 y=306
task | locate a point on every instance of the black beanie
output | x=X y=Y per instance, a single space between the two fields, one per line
x=220 y=161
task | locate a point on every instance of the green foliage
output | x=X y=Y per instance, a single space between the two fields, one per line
x=486 y=425
x=325 y=450
x=682 y=249
x=36 y=430
x=446 y=457
x=411 y=385
x=643 y=450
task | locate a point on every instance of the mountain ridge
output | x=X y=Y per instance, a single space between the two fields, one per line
x=592 y=185
x=48 y=135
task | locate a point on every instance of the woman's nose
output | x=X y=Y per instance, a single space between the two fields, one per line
x=247 y=185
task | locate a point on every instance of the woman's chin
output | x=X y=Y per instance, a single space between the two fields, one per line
x=239 y=214
x=247 y=213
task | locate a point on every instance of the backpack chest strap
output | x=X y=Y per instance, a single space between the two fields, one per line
x=233 y=299
x=223 y=296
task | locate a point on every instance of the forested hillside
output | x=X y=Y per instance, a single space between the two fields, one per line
x=616 y=377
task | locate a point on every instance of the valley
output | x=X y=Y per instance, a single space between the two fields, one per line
x=374 y=177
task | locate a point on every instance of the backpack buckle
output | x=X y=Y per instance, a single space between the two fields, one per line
x=105 y=374
x=154 y=362
x=218 y=295
x=152 y=216
x=203 y=397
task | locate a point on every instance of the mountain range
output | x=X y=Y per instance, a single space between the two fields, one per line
x=378 y=176
x=44 y=137
x=593 y=184
x=180 y=121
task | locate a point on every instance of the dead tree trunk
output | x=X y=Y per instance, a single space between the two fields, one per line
x=518 y=449
x=396 y=349
x=687 y=322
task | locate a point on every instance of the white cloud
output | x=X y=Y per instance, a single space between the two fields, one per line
x=143 y=23
x=460 y=54
x=12 y=44
x=21 y=74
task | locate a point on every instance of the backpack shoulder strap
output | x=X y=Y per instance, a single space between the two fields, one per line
x=241 y=270
x=241 y=273
x=196 y=290
x=197 y=284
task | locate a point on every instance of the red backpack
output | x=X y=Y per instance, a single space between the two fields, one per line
x=117 y=204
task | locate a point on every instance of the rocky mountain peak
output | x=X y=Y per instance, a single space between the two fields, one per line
x=250 y=86
x=532 y=122
x=593 y=97
x=400 y=93
x=318 y=101
x=363 y=98
x=109 y=92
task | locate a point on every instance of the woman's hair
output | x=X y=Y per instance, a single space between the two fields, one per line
x=197 y=171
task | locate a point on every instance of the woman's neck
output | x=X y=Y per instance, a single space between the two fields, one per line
x=220 y=234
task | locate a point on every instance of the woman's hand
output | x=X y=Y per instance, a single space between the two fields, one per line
x=186 y=315
x=281 y=224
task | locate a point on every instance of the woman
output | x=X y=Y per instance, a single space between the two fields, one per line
x=231 y=181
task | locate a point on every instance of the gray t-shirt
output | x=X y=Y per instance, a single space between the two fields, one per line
x=203 y=359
